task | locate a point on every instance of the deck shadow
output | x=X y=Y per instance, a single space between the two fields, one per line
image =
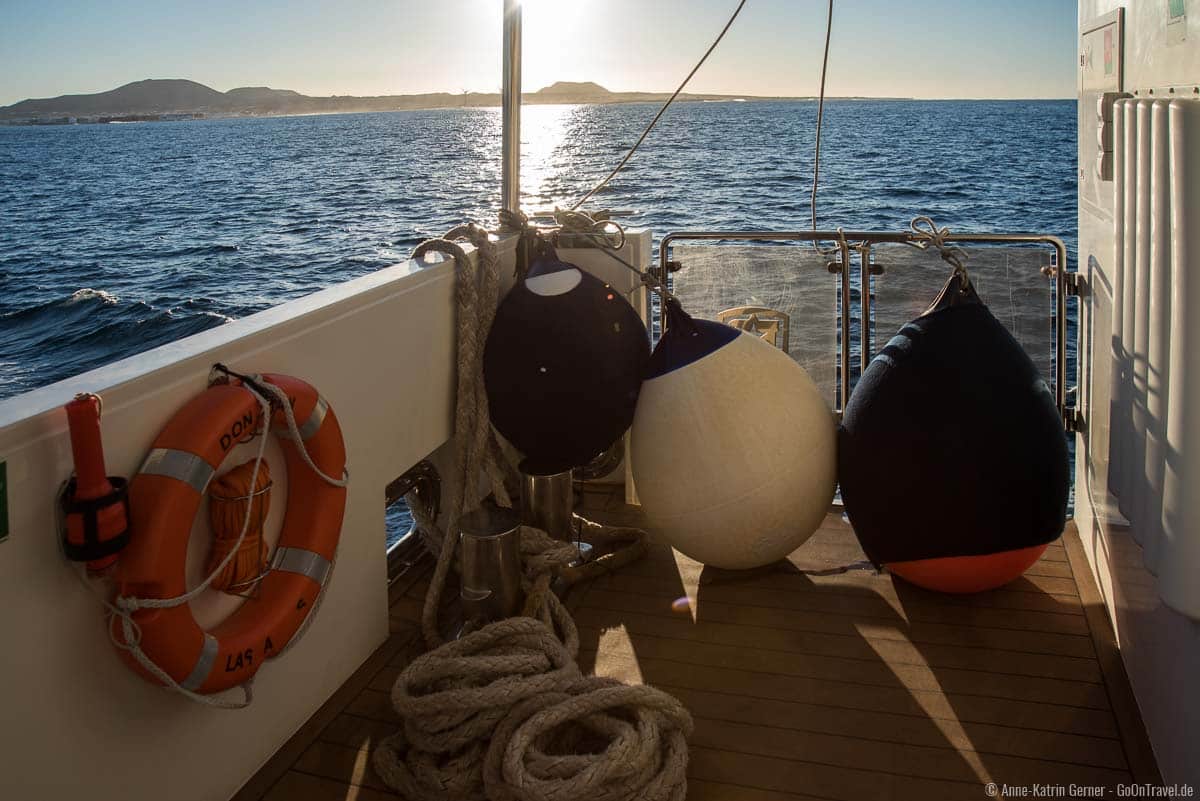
x=859 y=685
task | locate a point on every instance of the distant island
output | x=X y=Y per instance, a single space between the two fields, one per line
x=178 y=99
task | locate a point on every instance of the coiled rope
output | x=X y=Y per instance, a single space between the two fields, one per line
x=228 y=497
x=504 y=712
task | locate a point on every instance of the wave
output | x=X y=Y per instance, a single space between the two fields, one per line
x=200 y=250
x=104 y=261
x=78 y=304
x=91 y=327
x=87 y=293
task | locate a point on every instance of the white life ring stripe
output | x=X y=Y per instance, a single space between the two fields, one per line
x=179 y=465
x=306 y=563
x=204 y=664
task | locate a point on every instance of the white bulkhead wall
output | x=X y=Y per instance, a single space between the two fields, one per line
x=1121 y=532
x=77 y=723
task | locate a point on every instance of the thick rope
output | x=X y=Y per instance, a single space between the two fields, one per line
x=504 y=712
x=228 y=496
x=476 y=449
x=601 y=233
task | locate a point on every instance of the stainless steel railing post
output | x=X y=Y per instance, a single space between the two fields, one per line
x=510 y=104
x=867 y=238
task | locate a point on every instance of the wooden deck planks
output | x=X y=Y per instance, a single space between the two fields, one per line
x=894 y=759
x=864 y=672
x=896 y=700
x=857 y=606
x=852 y=686
x=895 y=628
x=873 y=726
x=298 y=786
x=846 y=645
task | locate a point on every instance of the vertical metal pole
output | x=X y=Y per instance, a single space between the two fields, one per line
x=864 y=327
x=1060 y=347
x=844 y=250
x=510 y=102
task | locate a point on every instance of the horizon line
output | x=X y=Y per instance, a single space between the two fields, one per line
x=547 y=86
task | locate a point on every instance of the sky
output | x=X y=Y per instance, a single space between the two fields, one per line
x=881 y=48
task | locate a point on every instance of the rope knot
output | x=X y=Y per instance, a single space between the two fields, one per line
x=926 y=235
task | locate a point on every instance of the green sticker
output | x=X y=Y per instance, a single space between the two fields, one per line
x=1177 y=8
x=3 y=501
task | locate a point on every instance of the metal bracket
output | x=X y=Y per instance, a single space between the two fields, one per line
x=603 y=464
x=1075 y=283
x=1073 y=419
x=423 y=480
x=665 y=268
x=1072 y=282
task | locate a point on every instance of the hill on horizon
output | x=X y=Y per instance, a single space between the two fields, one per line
x=153 y=95
x=582 y=88
x=182 y=96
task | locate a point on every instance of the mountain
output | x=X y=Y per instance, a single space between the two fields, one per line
x=250 y=95
x=177 y=96
x=140 y=97
x=574 y=89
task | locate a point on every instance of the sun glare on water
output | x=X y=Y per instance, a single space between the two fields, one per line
x=543 y=131
x=545 y=24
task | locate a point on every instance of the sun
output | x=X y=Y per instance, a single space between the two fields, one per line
x=545 y=26
x=537 y=6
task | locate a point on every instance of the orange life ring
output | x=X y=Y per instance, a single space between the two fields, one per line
x=164 y=498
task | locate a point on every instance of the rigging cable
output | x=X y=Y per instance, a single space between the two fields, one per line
x=820 y=119
x=662 y=110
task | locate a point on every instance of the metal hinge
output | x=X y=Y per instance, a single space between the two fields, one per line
x=1072 y=281
x=661 y=272
x=1073 y=419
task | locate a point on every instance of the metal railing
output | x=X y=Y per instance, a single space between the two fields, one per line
x=843 y=243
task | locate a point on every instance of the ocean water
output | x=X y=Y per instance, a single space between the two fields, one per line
x=117 y=238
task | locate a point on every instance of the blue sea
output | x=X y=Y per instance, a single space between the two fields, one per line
x=118 y=238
